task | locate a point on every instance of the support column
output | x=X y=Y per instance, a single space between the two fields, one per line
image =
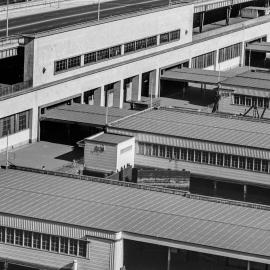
x=118 y=254
x=202 y=14
x=217 y=66
x=136 y=88
x=157 y=83
x=248 y=265
x=245 y=192
x=102 y=96
x=215 y=188
x=169 y=259
x=228 y=15
x=118 y=94
x=152 y=83
x=97 y=96
x=242 y=56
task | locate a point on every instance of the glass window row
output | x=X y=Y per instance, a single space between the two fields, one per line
x=229 y=52
x=42 y=241
x=204 y=60
x=14 y=123
x=92 y=57
x=205 y=157
x=249 y=101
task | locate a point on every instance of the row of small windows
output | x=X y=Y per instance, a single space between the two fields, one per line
x=249 y=101
x=204 y=60
x=44 y=242
x=229 y=52
x=92 y=57
x=14 y=123
x=8 y=53
x=205 y=157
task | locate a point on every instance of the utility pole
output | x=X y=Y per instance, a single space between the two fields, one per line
x=98 y=10
x=7 y=19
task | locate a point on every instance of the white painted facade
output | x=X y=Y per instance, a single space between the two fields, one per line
x=45 y=50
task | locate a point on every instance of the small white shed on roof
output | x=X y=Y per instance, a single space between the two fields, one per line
x=107 y=152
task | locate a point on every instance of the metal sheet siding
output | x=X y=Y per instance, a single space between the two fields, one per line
x=105 y=161
x=99 y=256
x=50 y=228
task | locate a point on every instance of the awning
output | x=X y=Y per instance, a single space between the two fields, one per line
x=259 y=47
x=194 y=76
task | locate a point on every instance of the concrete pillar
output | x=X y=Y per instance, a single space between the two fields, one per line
x=242 y=56
x=118 y=94
x=97 y=96
x=248 y=265
x=228 y=15
x=157 y=90
x=102 y=96
x=169 y=259
x=202 y=14
x=121 y=97
x=217 y=65
x=215 y=188
x=136 y=87
x=152 y=83
x=245 y=192
x=118 y=254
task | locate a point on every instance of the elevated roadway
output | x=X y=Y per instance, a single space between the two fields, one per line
x=51 y=20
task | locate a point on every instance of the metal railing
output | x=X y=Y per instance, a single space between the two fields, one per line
x=6 y=90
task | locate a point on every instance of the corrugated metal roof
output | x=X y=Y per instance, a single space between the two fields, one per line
x=85 y=114
x=109 y=138
x=115 y=208
x=201 y=127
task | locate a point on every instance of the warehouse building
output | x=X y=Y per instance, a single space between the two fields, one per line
x=59 y=222
x=122 y=63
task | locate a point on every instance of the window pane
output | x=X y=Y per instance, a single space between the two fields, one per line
x=129 y=47
x=19 y=237
x=155 y=150
x=45 y=242
x=198 y=156
x=151 y=41
x=191 y=155
x=205 y=157
x=162 y=151
x=82 y=248
x=54 y=243
x=114 y=51
x=140 y=44
x=164 y=38
x=90 y=58
x=73 y=247
x=36 y=240
x=74 y=61
x=64 y=245
x=27 y=239
x=103 y=54
x=10 y=235
x=2 y=234
x=61 y=65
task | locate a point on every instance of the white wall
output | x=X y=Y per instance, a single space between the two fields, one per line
x=232 y=63
x=126 y=157
x=55 y=47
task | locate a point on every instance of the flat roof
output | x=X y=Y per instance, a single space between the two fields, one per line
x=113 y=208
x=85 y=114
x=259 y=47
x=252 y=80
x=108 y=138
x=198 y=126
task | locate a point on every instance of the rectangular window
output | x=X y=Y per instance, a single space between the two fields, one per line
x=141 y=148
x=2 y=234
x=227 y=160
x=205 y=157
x=257 y=165
x=82 y=248
x=248 y=101
x=235 y=161
x=55 y=243
x=164 y=38
x=74 y=62
x=140 y=44
x=229 y=52
x=220 y=159
x=198 y=156
x=242 y=162
x=265 y=166
x=155 y=150
x=19 y=237
x=64 y=245
x=115 y=51
x=191 y=155
x=10 y=236
x=242 y=100
x=175 y=35
x=162 y=151
x=73 y=247
x=46 y=242
x=183 y=154
x=250 y=164
x=129 y=47
x=148 y=149
x=6 y=129
x=204 y=60
x=169 y=152
x=23 y=121
x=36 y=240
x=61 y=65
x=90 y=58
x=236 y=99
x=27 y=239
x=151 y=41
x=213 y=158
x=103 y=54
x=177 y=153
